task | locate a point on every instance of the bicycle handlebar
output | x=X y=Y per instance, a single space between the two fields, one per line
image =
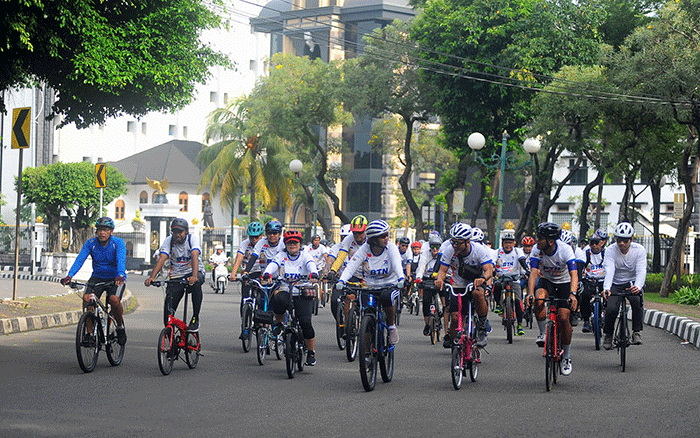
x=159 y=283
x=77 y=284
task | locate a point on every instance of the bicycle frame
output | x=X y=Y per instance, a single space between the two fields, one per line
x=621 y=338
x=465 y=353
x=553 y=349
x=506 y=282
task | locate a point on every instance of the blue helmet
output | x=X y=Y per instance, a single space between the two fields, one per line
x=105 y=222
x=274 y=226
x=255 y=229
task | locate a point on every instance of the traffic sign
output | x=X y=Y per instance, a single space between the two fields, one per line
x=100 y=175
x=678 y=205
x=20 y=127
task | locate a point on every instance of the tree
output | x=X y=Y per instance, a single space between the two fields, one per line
x=69 y=188
x=107 y=58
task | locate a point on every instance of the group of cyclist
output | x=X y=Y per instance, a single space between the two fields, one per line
x=549 y=265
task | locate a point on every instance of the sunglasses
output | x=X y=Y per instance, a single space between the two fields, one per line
x=435 y=246
x=623 y=239
x=383 y=236
x=457 y=242
x=595 y=242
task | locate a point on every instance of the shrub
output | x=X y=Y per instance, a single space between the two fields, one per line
x=653 y=283
x=687 y=295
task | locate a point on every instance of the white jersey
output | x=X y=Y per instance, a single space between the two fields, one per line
x=266 y=252
x=406 y=258
x=622 y=268
x=219 y=259
x=508 y=263
x=478 y=256
x=318 y=254
x=595 y=268
x=426 y=257
x=350 y=246
x=246 y=248
x=377 y=270
x=555 y=267
x=291 y=269
x=181 y=255
x=580 y=255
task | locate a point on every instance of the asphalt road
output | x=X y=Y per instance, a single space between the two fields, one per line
x=30 y=288
x=44 y=392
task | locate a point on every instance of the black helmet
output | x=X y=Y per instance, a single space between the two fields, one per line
x=105 y=222
x=405 y=240
x=548 y=230
x=179 y=223
x=274 y=226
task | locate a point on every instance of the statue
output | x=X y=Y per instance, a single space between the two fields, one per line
x=311 y=49
x=160 y=186
x=208 y=215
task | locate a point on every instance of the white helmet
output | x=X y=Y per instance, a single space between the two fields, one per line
x=624 y=230
x=345 y=230
x=507 y=235
x=376 y=228
x=566 y=236
x=477 y=234
x=219 y=247
x=435 y=240
x=461 y=231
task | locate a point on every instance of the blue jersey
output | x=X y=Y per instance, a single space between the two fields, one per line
x=108 y=261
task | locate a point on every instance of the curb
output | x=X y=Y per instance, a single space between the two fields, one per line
x=685 y=328
x=38 y=277
x=51 y=320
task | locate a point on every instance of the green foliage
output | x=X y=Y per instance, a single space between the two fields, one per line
x=687 y=295
x=107 y=58
x=653 y=282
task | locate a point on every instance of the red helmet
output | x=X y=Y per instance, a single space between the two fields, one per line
x=292 y=235
x=528 y=241
x=416 y=244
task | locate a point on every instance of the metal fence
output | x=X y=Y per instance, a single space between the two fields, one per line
x=136 y=249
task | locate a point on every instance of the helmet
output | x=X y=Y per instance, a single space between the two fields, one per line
x=506 y=235
x=179 y=223
x=218 y=247
x=435 y=233
x=416 y=244
x=461 y=231
x=574 y=239
x=548 y=230
x=345 y=230
x=105 y=222
x=566 y=236
x=255 y=229
x=274 y=226
x=316 y=236
x=358 y=223
x=599 y=234
x=324 y=242
x=528 y=241
x=477 y=234
x=435 y=240
x=405 y=240
x=376 y=228
x=624 y=230
x=292 y=236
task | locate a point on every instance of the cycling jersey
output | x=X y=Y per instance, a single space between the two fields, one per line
x=219 y=259
x=594 y=265
x=508 y=263
x=266 y=252
x=406 y=258
x=476 y=258
x=318 y=254
x=349 y=245
x=555 y=267
x=623 y=268
x=246 y=248
x=425 y=257
x=292 y=269
x=376 y=270
x=108 y=261
x=180 y=255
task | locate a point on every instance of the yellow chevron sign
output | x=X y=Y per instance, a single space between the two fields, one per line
x=100 y=175
x=20 y=127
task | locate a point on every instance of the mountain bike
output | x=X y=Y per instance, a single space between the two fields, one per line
x=175 y=336
x=97 y=330
x=413 y=300
x=597 y=310
x=262 y=321
x=508 y=305
x=436 y=310
x=466 y=355
x=621 y=337
x=294 y=347
x=352 y=327
x=340 y=321
x=373 y=341
x=553 y=349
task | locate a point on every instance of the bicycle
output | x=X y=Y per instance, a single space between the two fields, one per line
x=102 y=334
x=294 y=347
x=509 y=303
x=621 y=336
x=413 y=300
x=553 y=349
x=373 y=342
x=597 y=310
x=262 y=320
x=352 y=327
x=466 y=355
x=175 y=336
x=247 y=309
x=436 y=310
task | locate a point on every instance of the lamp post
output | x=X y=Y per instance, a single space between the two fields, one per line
x=296 y=167
x=476 y=142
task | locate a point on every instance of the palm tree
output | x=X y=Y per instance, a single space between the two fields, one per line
x=240 y=162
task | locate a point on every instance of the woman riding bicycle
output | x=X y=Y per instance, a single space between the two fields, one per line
x=380 y=262
x=293 y=265
x=428 y=271
x=245 y=250
x=508 y=264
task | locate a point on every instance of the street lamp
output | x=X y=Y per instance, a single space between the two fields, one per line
x=476 y=142
x=296 y=166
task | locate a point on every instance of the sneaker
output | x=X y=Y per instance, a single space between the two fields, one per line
x=607 y=342
x=426 y=330
x=278 y=329
x=244 y=335
x=311 y=358
x=540 y=340
x=498 y=310
x=121 y=335
x=481 y=337
x=194 y=325
x=520 y=331
x=636 y=338
x=393 y=335
x=573 y=319
x=446 y=341
x=586 y=327
x=566 y=367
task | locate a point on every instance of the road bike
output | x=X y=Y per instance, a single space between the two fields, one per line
x=247 y=309
x=596 y=309
x=352 y=327
x=97 y=330
x=262 y=320
x=413 y=303
x=553 y=348
x=436 y=310
x=508 y=305
x=373 y=341
x=294 y=346
x=175 y=336
x=621 y=337
x=466 y=355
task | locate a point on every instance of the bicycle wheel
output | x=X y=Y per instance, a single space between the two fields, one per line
x=492 y=302
x=290 y=346
x=115 y=352
x=87 y=345
x=192 y=349
x=367 y=347
x=474 y=360
x=549 y=356
x=166 y=351
x=509 y=318
x=596 y=324
x=386 y=358
x=316 y=303
x=623 y=338
x=261 y=337
x=279 y=346
x=247 y=323
x=352 y=328
x=340 y=330
x=398 y=312
x=417 y=306
x=300 y=352
x=432 y=324
x=457 y=371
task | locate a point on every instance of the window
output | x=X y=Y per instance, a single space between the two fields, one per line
x=252 y=65
x=100 y=160
x=205 y=197
x=213 y=96
x=364 y=196
x=184 y=132
x=88 y=159
x=225 y=98
x=580 y=176
x=172 y=130
x=143 y=197
x=153 y=197
x=143 y=128
x=129 y=249
x=119 y=209
x=130 y=126
x=561 y=218
x=182 y=200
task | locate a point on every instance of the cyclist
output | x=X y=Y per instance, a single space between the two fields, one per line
x=218 y=258
x=568 y=238
x=625 y=270
x=245 y=250
x=594 y=273
x=183 y=251
x=470 y=263
x=318 y=252
x=266 y=248
x=333 y=251
x=348 y=246
x=415 y=258
x=526 y=248
x=510 y=262
x=108 y=255
x=406 y=260
x=428 y=270
x=554 y=261
x=293 y=265
x=380 y=263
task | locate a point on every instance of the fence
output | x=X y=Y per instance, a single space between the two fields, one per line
x=7 y=243
x=136 y=249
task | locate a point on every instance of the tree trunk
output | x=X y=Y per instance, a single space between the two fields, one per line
x=460 y=182
x=403 y=179
x=585 y=205
x=253 y=208
x=655 y=188
x=599 y=206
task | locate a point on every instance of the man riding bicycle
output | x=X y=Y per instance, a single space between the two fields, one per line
x=509 y=263
x=594 y=273
x=245 y=250
x=554 y=260
x=108 y=264
x=183 y=251
x=347 y=249
x=427 y=271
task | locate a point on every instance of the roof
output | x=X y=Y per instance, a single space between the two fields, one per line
x=174 y=161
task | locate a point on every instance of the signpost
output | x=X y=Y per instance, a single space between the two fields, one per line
x=21 y=118
x=101 y=180
x=678 y=205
